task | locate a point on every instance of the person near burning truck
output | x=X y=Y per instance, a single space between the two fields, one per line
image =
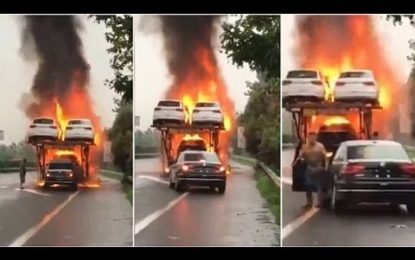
x=22 y=173
x=314 y=155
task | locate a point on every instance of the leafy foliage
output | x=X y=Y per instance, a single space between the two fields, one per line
x=254 y=40
x=261 y=119
x=121 y=137
x=120 y=36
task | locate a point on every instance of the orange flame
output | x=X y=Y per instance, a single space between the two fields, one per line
x=337 y=120
x=204 y=88
x=76 y=104
x=333 y=44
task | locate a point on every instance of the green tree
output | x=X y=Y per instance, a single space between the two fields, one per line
x=120 y=36
x=261 y=121
x=121 y=136
x=254 y=40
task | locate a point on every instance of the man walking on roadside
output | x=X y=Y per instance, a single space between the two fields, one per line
x=22 y=173
x=314 y=155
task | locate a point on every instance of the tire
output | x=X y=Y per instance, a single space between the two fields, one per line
x=171 y=184
x=222 y=188
x=394 y=207
x=411 y=208
x=178 y=187
x=336 y=204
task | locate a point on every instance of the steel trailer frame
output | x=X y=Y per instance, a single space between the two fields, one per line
x=42 y=145
x=301 y=120
x=167 y=131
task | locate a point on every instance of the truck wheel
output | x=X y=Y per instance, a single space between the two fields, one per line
x=222 y=188
x=337 y=205
x=74 y=186
x=178 y=186
x=411 y=208
x=171 y=184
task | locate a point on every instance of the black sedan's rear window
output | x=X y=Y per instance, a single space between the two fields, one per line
x=374 y=152
x=61 y=166
x=169 y=104
x=197 y=157
x=302 y=74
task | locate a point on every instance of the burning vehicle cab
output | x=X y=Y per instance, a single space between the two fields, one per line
x=192 y=145
x=357 y=86
x=303 y=85
x=79 y=130
x=332 y=135
x=207 y=113
x=198 y=168
x=43 y=128
x=63 y=172
x=372 y=171
x=169 y=111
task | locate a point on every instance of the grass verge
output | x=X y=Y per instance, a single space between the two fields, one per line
x=269 y=192
x=244 y=161
x=128 y=190
x=126 y=186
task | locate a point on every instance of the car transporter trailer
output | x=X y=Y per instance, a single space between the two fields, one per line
x=303 y=111
x=42 y=146
x=167 y=132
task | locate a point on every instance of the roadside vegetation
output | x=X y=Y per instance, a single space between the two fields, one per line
x=269 y=192
x=120 y=37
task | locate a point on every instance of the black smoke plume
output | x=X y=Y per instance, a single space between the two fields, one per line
x=184 y=36
x=58 y=49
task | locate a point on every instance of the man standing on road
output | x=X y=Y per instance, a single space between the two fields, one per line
x=314 y=155
x=22 y=173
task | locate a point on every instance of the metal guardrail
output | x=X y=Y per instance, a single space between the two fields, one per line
x=146 y=155
x=287 y=145
x=409 y=147
x=271 y=174
x=15 y=169
x=120 y=174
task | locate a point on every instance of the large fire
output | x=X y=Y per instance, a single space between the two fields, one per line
x=204 y=88
x=78 y=104
x=333 y=44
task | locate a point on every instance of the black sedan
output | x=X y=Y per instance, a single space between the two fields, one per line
x=198 y=168
x=372 y=171
x=62 y=172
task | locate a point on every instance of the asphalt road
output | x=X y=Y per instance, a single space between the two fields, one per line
x=59 y=217
x=200 y=218
x=363 y=225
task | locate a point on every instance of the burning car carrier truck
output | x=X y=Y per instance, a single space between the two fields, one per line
x=169 y=130
x=80 y=172
x=302 y=113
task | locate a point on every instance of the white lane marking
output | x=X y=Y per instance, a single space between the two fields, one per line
x=20 y=241
x=292 y=226
x=152 y=217
x=33 y=191
x=4 y=187
x=152 y=178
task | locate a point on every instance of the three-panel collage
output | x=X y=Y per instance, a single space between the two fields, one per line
x=231 y=130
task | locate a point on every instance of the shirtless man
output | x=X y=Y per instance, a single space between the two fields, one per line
x=314 y=155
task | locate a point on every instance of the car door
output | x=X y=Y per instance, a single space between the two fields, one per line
x=298 y=171
x=337 y=163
